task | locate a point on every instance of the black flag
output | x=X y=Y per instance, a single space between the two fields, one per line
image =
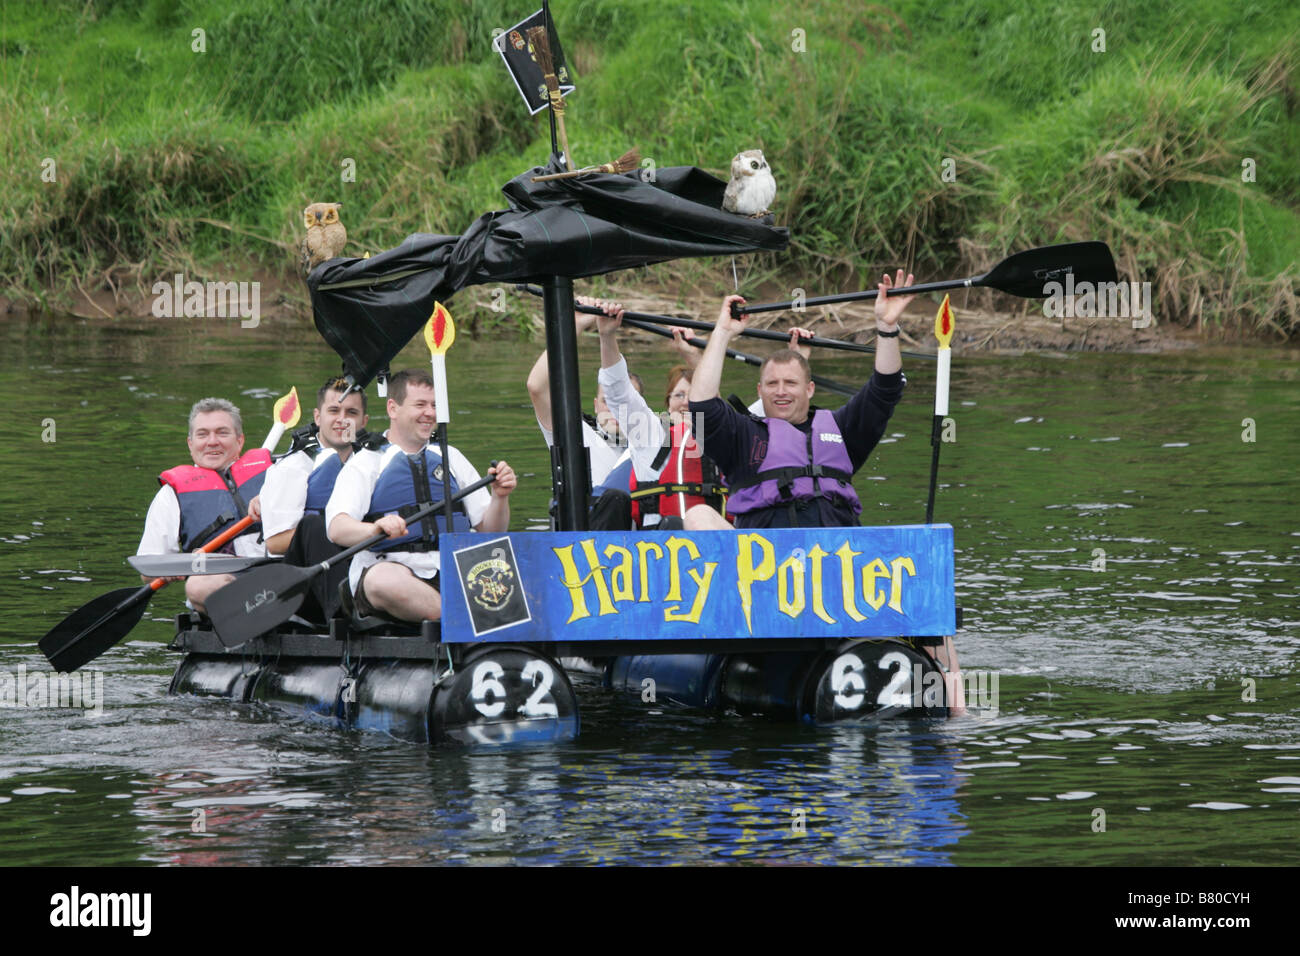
x=515 y=49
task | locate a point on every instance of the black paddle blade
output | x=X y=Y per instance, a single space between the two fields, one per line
x=258 y=601
x=93 y=628
x=1026 y=273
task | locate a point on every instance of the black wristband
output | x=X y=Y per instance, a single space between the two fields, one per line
x=887 y=335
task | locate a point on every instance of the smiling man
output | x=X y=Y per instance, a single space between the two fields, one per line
x=197 y=502
x=376 y=488
x=794 y=466
x=302 y=481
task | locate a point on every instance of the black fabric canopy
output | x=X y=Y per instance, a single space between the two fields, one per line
x=368 y=309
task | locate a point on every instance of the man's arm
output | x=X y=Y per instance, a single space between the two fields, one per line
x=162 y=527
x=351 y=498
x=539 y=377
x=283 y=500
x=888 y=357
x=708 y=374
x=496 y=517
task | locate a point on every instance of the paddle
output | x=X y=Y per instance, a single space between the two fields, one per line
x=732 y=353
x=95 y=627
x=767 y=334
x=632 y=319
x=1023 y=274
x=266 y=597
x=174 y=565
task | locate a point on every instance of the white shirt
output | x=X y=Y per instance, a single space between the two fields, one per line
x=284 y=493
x=644 y=430
x=355 y=485
x=162 y=529
x=603 y=456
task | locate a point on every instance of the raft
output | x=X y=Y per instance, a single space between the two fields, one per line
x=824 y=635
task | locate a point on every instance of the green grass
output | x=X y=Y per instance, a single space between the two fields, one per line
x=1141 y=145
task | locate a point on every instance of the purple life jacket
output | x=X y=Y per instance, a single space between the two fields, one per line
x=798 y=467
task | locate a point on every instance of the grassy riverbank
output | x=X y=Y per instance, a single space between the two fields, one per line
x=163 y=158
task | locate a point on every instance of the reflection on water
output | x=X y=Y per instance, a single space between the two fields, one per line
x=1126 y=561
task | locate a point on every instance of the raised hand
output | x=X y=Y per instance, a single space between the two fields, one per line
x=726 y=323
x=889 y=309
x=796 y=336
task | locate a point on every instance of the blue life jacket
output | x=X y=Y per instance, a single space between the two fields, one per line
x=211 y=501
x=406 y=484
x=320 y=483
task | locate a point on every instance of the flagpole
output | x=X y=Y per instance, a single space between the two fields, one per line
x=439 y=334
x=943 y=323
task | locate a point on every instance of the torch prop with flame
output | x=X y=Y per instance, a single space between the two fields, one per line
x=439 y=334
x=943 y=325
x=286 y=413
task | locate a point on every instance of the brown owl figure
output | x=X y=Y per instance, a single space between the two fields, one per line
x=325 y=237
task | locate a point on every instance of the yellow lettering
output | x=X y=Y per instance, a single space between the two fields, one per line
x=876 y=569
x=793 y=568
x=643 y=549
x=848 y=586
x=701 y=595
x=574 y=582
x=815 y=555
x=621 y=576
x=747 y=574
x=675 y=546
x=896 y=589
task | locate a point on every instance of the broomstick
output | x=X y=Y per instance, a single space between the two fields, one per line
x=624 y=164
x=541 y=44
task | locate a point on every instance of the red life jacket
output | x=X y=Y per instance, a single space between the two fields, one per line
x=211 y=501
x=686 y=479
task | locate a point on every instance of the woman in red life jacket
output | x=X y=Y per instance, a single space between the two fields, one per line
x=686 y=477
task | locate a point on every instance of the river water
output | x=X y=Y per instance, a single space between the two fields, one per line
x=1127 y=555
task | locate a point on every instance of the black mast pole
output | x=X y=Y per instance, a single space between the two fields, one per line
x=570 y=474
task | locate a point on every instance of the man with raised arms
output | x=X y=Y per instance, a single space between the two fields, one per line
x=399 y=576
x=794 y=466
x=603 y=433
x=197 y=502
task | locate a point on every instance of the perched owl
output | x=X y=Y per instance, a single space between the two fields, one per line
x=752 y=187
x=325 y=237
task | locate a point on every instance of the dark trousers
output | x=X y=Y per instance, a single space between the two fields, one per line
x=311 y=546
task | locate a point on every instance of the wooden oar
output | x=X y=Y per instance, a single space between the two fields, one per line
x=1024 y=274
x=265 y=598
x=95 y=627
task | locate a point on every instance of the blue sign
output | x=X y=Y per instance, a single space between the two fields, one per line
x=624 y=585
